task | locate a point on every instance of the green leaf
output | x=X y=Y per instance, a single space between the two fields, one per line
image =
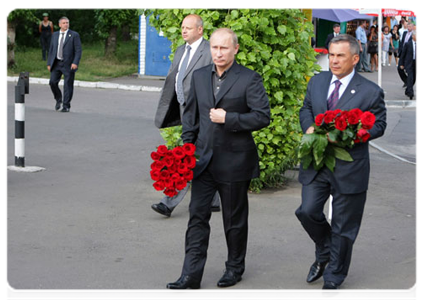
x=330 y=162
x=291 y=56
x=319 y=146
x=342 y=154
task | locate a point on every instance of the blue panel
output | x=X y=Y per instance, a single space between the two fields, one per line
x=157 y=53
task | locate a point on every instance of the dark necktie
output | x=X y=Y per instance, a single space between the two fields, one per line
x=60 y=54
x=333 y=98
x=181 y=75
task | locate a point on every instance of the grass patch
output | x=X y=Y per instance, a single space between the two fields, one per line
x=94 y=66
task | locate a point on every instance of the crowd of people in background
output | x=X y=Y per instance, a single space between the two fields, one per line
x=397 y=40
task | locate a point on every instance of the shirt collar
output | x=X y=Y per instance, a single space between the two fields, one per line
x=195 y=45
x=345 y=80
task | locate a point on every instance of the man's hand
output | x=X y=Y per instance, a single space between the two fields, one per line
x=74 y=67
x=310 y=130
x=217 y=115
x=48 y=68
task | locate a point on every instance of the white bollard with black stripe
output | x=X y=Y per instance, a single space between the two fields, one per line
x=19 y=127
x=21 y=89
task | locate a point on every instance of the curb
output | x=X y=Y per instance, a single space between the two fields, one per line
x=143 y=88
x=98 y=85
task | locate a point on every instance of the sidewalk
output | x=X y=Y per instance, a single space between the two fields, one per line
x=391 y=83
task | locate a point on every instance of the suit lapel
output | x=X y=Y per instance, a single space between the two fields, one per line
x=323 y=92
x=195 y=58
x=230 y=80
x=353 y=89
x=68 y=37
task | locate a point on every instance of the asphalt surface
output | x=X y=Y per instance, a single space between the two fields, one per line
x=85 y=222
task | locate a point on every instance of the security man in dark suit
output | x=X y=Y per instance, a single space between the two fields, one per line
x=64 y=56
x=175 y=92
x=335 y=33
x=349 y=182
x=407 y=62
x=226 y=103
x=406 y=37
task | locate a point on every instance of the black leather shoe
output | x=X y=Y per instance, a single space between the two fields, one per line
x=184 y=282
x=65 y=109
x=215 y=208
x=58 y=104
x=229 y=279
x=161 y=209
x=330 y=289
x=316 y=271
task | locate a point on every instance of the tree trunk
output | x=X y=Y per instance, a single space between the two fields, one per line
x=11 y=35
x=111 y=42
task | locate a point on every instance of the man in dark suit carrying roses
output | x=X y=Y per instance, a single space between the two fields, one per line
x=226 y=103
x=341 y=88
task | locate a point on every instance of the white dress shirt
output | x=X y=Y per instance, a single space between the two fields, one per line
x=58 y=42
x=345 y=81
x=194 y=46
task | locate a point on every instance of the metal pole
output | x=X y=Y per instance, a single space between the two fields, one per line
x=379 y=61
x=21 y=89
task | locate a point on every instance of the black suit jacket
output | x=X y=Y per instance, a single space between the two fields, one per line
x=243 y=97
x=402 y=42
x=406 y=58
x=349 y=177
x=72 y=49
x=328 y=39
x=168 y=113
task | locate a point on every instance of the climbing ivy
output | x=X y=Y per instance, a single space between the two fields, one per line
x=276 y=44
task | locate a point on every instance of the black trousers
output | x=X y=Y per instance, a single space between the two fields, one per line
x=234 y=197
x=334 y=242
x=59 y=69
x=411 y=79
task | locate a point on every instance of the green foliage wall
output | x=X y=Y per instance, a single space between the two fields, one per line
x=276 y=44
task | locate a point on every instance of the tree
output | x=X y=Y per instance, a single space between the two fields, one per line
x=108 y=21
x=276 y=44
x=13 y=19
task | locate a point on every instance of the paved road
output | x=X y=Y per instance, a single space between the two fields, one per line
x=86 y=223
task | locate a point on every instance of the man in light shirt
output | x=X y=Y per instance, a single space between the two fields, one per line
x=175 y=92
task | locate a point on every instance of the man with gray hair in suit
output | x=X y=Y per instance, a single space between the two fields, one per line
x=194 y=54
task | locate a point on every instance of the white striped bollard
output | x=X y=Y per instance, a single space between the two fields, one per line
x=21 y=89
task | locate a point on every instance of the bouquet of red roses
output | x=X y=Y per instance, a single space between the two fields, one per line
x=343 y=128
x=172 y=168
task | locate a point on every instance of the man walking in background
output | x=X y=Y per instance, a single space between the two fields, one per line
x=194 y=54
x=64 y=56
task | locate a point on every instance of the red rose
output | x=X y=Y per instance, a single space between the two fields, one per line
x=180 y=184
x=363 y=135
x=189 y=175
x=337 y=111
x=183 y=168
x=157 y=165
x=155 y=174
x=178 y=152
x=168 y=161
x=368 y=120
x=165 y=174
x=159 y=185
x=175 y=177
x=354 y=116
x=189 y=148
x=168 y=182
x=341 y=123
x=171 y=192
x=319 y=119
x=329 y=116
x=190 y=161
x=155 y=155
x=162 y=150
